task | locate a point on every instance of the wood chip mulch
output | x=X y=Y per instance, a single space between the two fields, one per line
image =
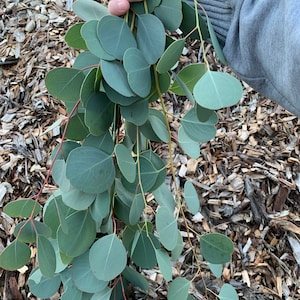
x=248 y=177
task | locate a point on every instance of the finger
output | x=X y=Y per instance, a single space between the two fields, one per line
x=118 y=7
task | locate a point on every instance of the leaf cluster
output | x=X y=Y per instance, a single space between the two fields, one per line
x=95 y=233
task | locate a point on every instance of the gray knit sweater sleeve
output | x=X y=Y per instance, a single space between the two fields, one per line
x=261 y=44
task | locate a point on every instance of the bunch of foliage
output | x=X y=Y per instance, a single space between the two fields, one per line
x=95 y=237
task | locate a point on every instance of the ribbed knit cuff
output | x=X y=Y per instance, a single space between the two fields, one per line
x=219 y=13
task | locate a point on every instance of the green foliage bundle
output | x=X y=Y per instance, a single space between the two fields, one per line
x=95 y=237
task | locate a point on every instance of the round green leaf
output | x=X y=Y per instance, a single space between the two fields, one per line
x=100 y=207
x=189 y=146
x=42 y=287
x=97 y=171
x=22 y=208
x=117 y=98
x=191 y=197
x=15 y=256
x=216 y=248
x=150 y=37
x=86 y=61
x=189 y=23
x=216 y=90
x=170 y=56
x=215 y=41
x=170 y=13
x=136 y=209
x=78 y=200
x=103 y=295
x=81 y=234
x=77 y=130
x=164 y=197
x=136 y=113
x=107 y=257
x=139 y=7
x=83 y=277
x=60 y=266
x=142 y=250
x=88 y=87
x=189 y=75
x=115 y=36
x=90 y=35
x=46 y=256
x=65 y=84
x=159 y=165
x=178 y=248
x=55 y=213
x=228 y=292
x=116 y=77
x=164 y=263
x=99 y=113
x=217 y=269
x=89 y=10
x=203 y=114
x=166 y=226
x=158 y=124
x=126 y=162
x=196 y=130
x=103 y=142
x=179 y=289
x=148 y=176
x=29 y=229
x=138 y=72
x=73 y=37
x=135 y=278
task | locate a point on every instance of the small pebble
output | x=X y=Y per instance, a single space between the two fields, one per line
x=30 y=26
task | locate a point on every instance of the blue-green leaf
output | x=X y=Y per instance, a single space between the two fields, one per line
x=216 y=248
x=135 y=278
x=216 y=90
x=138 y=72
x=116 y=77
x=22 y=208
x=170 y=56
x=89 y=10
x=15 y=256
x=73 y=37
x=83 y=277
x=41 y=286
x=198 y=131
x=166 y=226
x=191 y=197
x=78 y=200
x=90 y=35
x=97 y=171
x=46 y=256
x=115 y=36
x=80 y=236
x=107 y=257
x=126 y=162
x=189 y=146
x=150 y=37
x=178 y=289
x=189 y=76
x=217 y=269
x=158 y=124
x=228 y=292
x=170 y=12
x=65 y=84
x=164 y=263
x=99 y=113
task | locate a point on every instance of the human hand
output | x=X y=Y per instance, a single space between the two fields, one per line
x=120 y=7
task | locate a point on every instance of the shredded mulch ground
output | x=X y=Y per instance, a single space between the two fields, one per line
x=248 y=177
